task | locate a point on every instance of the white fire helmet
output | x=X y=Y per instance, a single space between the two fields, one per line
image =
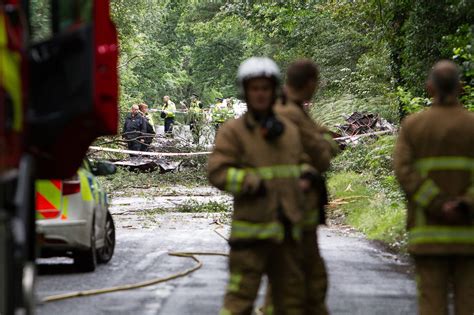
x=257 y=67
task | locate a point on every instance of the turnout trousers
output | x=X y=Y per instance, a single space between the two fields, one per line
x=250 y=262
x=436 y=275
x=315 y=277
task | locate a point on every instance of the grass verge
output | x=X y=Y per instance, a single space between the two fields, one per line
x=368 y=207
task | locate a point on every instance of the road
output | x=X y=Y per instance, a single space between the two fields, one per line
x=363 y=278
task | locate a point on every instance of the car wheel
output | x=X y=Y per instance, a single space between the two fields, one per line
x=86 y=260
x=104 y=254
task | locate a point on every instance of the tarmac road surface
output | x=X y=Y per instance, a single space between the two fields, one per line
x=364 y=279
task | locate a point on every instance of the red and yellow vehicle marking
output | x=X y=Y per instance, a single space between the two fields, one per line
x=49 y=201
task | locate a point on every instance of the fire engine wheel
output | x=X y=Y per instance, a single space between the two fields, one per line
x=104 y=254
x=86 y=260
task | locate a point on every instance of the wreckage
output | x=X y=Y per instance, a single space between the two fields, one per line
x=361 y=125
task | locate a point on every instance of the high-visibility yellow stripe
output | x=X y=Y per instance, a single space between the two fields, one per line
x=235 y=176
x=10 y=76
x=247 y=230
x=235 y=179
x=441 y=235
x=445 y=163
x=50 y=192
x=277 y=171
x=426 y=193
x=86 y=191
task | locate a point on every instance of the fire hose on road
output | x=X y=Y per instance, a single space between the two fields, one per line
x=142 y=284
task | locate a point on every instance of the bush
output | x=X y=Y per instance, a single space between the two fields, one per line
x=374 y=155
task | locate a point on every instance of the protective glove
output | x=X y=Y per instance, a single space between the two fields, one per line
x=253 y=185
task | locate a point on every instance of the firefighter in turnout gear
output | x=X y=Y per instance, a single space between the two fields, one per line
x=168 y=112
x=258 y=158
x=302 y=81
x=434 y=163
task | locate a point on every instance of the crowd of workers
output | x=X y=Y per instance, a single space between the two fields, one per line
x=139 y=128
x=273 y=159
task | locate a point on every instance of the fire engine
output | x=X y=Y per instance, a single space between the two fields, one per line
x=58 y=92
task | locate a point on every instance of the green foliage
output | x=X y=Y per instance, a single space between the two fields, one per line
x=209 y=207
x=368 y=208
x=374 y=155
x=462 y=45
x=422 y=32
x=409 y=103
x=125 y=180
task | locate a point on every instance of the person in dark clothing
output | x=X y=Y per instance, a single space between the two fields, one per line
x=133 y=129
x=150 y=129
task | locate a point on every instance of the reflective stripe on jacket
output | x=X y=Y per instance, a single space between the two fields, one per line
x=319 y=147
x=240 y=150
x=434 y=163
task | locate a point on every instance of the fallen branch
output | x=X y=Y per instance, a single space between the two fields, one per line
x=355 y=137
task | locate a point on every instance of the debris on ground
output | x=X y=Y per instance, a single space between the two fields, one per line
x=359 y=125
x=163 y=155
x=149 y=165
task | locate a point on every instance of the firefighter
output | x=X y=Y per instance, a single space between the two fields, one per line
x=168 y=112
x=302 y=82
x=257 y=158
x=133 y=129
x=150 y=127
x=195 y=115
x=434 y=163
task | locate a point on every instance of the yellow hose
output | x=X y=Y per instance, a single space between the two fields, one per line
x=137 y=285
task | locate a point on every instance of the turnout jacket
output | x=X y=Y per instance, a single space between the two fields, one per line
x=434 y=163
x=241 y=152
x=319 y=147
x=316 y=141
